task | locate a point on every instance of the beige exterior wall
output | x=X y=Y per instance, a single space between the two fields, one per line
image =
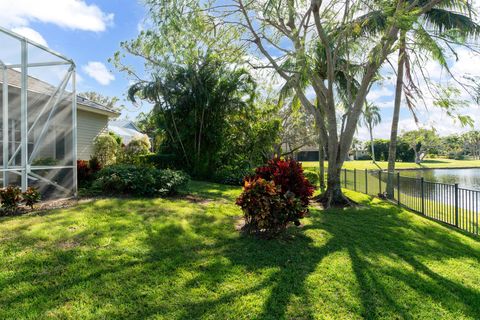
x=89 y=126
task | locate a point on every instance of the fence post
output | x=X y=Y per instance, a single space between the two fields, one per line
x=379 y=181
x=366 y=181
x=423 y=194
x=345 y=174
x=398 y=188
x=456 y=204
x=355 y=179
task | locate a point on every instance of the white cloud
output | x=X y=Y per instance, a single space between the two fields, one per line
x=31 y=34
x=71 y=14
x=468 y=63
x=379 y=92
x=99 y=72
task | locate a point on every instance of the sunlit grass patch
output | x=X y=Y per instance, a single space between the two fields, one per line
x=182 y=258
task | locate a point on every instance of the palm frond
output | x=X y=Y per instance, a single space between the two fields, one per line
x=441 y=20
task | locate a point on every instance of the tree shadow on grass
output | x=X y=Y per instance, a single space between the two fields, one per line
x=182 y=260
x=390 y=254
x=386 y=252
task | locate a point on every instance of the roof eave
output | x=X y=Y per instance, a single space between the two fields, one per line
x=110 y=114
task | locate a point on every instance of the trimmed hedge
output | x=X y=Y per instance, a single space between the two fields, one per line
x=159 y=161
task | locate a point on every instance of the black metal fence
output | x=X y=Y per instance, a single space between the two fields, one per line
x=447 y=203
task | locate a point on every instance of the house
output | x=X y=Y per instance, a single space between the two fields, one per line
x=92 y=119
x=44 y=126
x=125 y=129
x=49 y=163
x=307 y=153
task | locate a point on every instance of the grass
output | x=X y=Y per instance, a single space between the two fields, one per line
x=438 y=202
x=183 y=259
x=427 y=164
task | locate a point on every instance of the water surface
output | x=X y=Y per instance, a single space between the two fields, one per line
x=466 y=178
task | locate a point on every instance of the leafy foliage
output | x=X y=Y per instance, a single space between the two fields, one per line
x=371 y=118
x=48 y=161
x=106 y=148
x=116 y=137
x=251 y=140
x=403 y=151
x=83 y=171
x=137 y=147
x=207 y=112
x=159 y=160
x=139 y=181
x=109 y=102
x=275 y=196
x=471 y=143
x=421 y=141
x=232 y=175
x=86 y=170
x=147 y=123
x=31 y=197
x=288 y=174
x=312 y=177
x=11 y=198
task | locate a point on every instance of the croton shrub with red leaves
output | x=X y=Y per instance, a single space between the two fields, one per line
x=86 y=170
x=276 y=195
x=83 y=170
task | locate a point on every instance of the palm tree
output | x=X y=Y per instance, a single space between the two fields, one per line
x=371 y=118
x=438 y=20
x=430 y=35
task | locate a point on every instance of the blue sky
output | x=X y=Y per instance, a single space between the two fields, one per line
x=90 y=31
x=89 y=34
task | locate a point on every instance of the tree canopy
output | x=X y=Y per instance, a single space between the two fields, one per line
x=325 y=52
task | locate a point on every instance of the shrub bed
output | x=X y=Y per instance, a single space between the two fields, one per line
x=139 y=181
x=12 y=196
x=276 y=195
x=86 y=171
x=231 y=175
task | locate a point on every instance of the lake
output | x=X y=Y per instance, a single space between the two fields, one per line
x=466 y=178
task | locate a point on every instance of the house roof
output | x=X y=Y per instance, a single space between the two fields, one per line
x=92 y=104
x=125 y=129
x=42 y=87
x=124 y=124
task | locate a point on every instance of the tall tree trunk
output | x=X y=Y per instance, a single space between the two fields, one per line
x=392 y=150
x=321 y=161
x=372 y=144
x=333 y=196
x=417 y=157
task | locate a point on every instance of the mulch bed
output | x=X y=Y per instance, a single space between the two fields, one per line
x=48 y=205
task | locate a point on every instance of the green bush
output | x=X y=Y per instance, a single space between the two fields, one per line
x=404 y=152
x=116 y=137
x=44 y=162
x=31 y=197
x=232 y=175
x=312 y=177
x=10 y=198
x=276 y=195
x=105 y=149
x=364 y=157
x=136 y=148
x=170 y=181
x=160 y=160
x=139 y=181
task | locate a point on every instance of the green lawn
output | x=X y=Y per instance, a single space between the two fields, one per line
x=429 y=163
x=183 y=259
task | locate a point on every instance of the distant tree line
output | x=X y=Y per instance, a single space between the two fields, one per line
x=404 y=153
x=416 y=145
